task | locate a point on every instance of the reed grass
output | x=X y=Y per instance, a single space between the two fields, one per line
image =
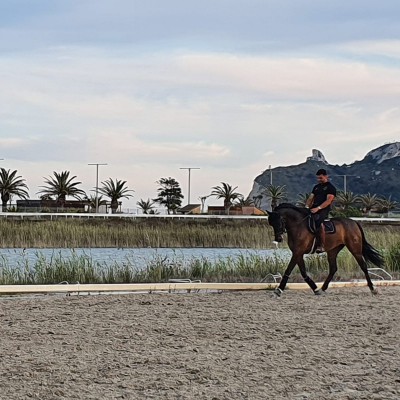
x=135 y=233
x=244 y=268
x=255 y=234
x=167 y=233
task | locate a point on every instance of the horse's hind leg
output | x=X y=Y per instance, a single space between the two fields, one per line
x=355 y=248
x=363 y=265
x=306 y=277
x=332 y=261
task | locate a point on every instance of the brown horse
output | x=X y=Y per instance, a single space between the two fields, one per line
x=294 y=220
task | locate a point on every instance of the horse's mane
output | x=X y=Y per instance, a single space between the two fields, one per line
x=301 y=210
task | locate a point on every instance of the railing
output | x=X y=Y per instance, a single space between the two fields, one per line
x=51 y=216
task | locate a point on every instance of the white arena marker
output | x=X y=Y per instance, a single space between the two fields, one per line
x=171 y=287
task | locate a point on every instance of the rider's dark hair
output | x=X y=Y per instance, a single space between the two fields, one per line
x=321 y=172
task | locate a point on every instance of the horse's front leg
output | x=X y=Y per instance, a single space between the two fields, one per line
x=292 y=263
x=307 y=278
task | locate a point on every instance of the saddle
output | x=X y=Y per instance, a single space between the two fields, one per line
x=328 y=224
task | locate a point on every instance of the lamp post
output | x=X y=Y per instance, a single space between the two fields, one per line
x=270 y=175
x=345 y=181
x=189 y=169
x=97 y=184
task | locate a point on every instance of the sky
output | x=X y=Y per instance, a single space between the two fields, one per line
x=230 y=87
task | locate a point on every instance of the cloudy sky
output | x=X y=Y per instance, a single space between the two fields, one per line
x=227 y=86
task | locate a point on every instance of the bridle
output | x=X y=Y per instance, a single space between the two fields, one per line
x=282 y=224
x=279 y=225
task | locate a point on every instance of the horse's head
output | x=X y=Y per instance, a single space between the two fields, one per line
x=278 y=224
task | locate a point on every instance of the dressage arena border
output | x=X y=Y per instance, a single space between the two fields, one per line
x=171 y=287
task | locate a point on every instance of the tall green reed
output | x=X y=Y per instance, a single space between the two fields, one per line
x=246 y=267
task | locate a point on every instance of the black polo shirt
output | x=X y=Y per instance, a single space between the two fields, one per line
x=321 y=192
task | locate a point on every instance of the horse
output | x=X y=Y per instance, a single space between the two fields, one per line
x=287 y=218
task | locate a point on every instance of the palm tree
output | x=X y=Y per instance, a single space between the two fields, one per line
x=345 y=200
x=60 y=186
x=245 y=202
x=369 y=201
x=227 y=193
x=257 y=200
x=146 y=205
x=302 y=200
x=46 y=197
x=275 y=194
x=115 y=190
x=169 y=194
x=11 y=185
x=92 y=202
x=387 y=204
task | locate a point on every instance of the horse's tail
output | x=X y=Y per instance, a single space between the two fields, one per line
x=370 y=254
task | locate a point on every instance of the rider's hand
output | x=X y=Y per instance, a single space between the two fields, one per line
x=314 y=210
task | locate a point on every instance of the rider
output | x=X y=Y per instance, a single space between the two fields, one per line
x=319 y=202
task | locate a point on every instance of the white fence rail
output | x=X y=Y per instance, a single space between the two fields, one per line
x=173 y=287
x=51 y=216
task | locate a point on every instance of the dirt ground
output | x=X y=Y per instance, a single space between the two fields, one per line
x=344 y=345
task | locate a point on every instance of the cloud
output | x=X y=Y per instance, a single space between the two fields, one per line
x=10 y=142
x=150 y=89
x=381 y=48
x=127 y=148
x=297 y=79
x=217 y=109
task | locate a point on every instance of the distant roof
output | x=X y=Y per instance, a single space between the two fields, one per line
x=189 y=207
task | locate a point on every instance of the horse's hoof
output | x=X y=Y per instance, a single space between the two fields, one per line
x=278 y=292
x=375 y=292
x=319 y=292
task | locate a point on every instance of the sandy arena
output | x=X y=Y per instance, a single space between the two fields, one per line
x=202 y=346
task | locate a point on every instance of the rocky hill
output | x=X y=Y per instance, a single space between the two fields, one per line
x=378 y=173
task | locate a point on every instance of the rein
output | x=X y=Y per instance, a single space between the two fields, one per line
x=284 y=230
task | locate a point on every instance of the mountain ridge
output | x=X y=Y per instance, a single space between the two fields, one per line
x=377 y=173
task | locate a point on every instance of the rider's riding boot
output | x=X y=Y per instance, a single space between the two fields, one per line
x=321 y=240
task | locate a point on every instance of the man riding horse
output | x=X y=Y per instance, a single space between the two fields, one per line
x=319 y=203
x=292 y=220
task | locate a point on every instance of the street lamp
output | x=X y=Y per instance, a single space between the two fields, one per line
x=189 y=169
x=345 y=181
x=97 y=184
x=270 y=175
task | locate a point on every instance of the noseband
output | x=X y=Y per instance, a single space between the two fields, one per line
x=282 y=225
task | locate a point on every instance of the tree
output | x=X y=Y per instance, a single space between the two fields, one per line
x=387 y=204
x=346 y=200
x=169 y=194
x=115 y=190
x=257 y=200
x=369 y=201
x=11 y=185
x=245 y=202
x=275 y=194
x=92 y=202
x=60 y=186
x=146 y=205
x=46 y=197
x=227 y=193
x=302 y=200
